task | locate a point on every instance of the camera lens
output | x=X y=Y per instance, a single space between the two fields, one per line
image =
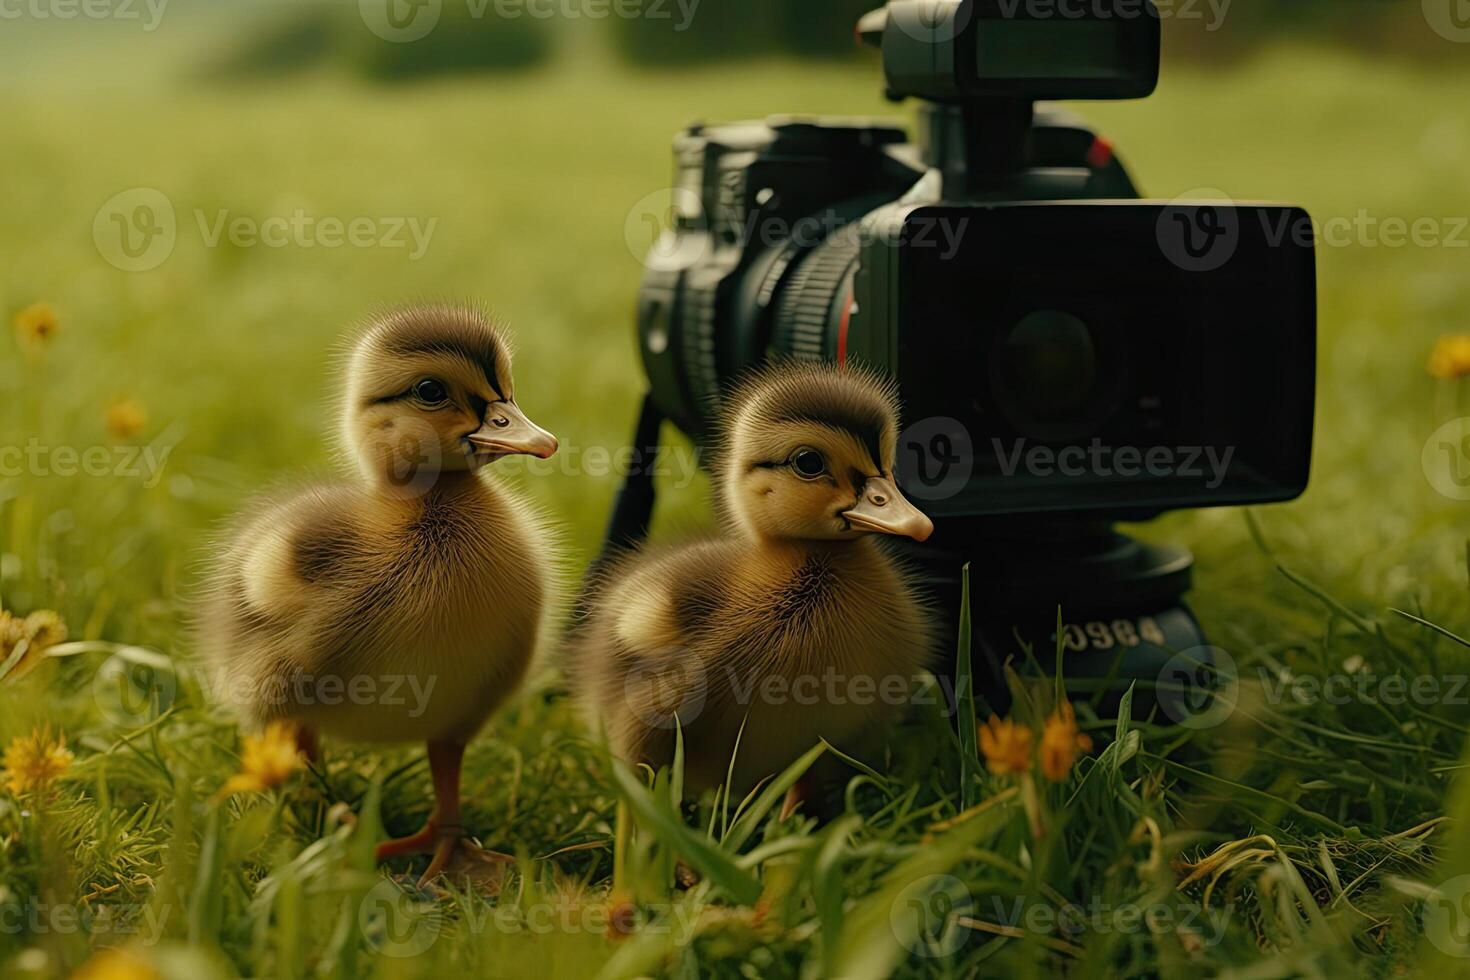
x=1045 y=372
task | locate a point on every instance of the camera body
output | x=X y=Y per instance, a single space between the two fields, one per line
x=1087 y=357
x=1068 y=355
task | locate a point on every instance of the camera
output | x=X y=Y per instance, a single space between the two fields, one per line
x=1068 y=355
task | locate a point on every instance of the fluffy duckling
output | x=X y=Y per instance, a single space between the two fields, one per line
x=404 y=605
x=791 y=622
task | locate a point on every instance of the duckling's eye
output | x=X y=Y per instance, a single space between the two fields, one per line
x=808 y=463
x=430 y=392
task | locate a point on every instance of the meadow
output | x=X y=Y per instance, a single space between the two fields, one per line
x=1301 y=836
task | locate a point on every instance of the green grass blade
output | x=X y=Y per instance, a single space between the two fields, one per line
x=622 y=842
x=645 y=954
x=1444 y=946
x=827 y=890
x=1125 y=714
x=712 y=863
x=773 y=793
x=858 y=764
x=1433 y=626
x=289 y=912
x=206 y=905
x=730 y=780
x=879 y=931
x=368 y=830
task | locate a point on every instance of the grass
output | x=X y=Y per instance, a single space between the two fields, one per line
x=1295 y=839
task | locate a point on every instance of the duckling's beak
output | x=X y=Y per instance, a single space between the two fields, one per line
x=507 y=432
x=881 y=508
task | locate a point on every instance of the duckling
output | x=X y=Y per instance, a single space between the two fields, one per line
x=784 y=629
x=404 y=605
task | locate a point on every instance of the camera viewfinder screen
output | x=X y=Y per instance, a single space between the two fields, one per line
x=1022 y=50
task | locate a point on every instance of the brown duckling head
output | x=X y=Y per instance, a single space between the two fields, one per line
x=429 y=391
x=808 y=454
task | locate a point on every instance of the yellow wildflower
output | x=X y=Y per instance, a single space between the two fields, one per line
x=1450 y=358
x=126 y=418
x=116 y=964
x=1061 y=743
x=40 y=630
x=1005 y=745
x=33 y=761
x=36 y=324
x=44 y=628
x=268 y=760
x=12 y=631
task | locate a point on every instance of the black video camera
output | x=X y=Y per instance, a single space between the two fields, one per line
x=1068 y=355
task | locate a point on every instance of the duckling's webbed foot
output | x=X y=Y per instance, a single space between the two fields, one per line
x=422 y=842
x=452 y=844
x=443 y=835
x=445 y=760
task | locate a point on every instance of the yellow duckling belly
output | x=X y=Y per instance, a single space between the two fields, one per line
x=421 y=667
x=785 y=710
x=449 y=698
